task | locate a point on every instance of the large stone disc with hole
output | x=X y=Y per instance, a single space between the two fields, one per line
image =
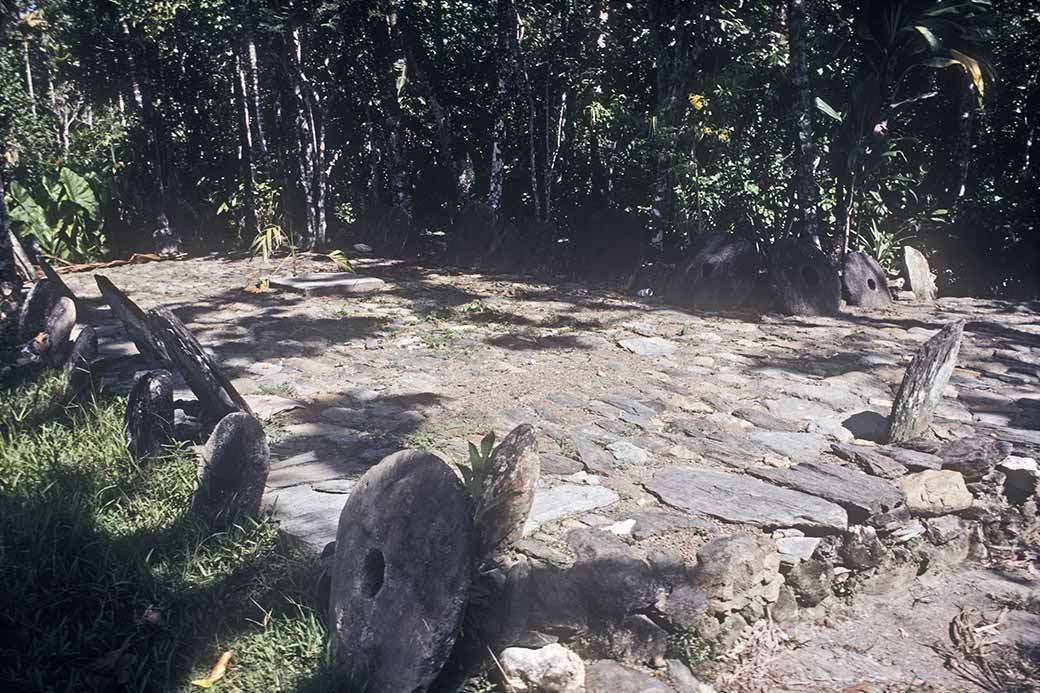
x=864 y=282
x=806 y=282
x=405 y=554
x=720 y=275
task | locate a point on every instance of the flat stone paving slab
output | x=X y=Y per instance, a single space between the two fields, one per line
x=328 y=283
x=739 y=498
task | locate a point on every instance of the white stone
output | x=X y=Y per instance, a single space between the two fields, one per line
x=565 y=500
x=550 y=669
x=621 y=528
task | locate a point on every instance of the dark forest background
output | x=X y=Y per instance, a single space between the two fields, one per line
x=550 y=132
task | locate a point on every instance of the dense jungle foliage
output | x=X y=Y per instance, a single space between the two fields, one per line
x=210 y=123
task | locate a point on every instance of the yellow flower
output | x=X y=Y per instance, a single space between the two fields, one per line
x=723 y=135
x=697 y=101
x=708 y=131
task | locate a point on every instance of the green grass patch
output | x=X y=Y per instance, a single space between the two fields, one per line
x=107 y=583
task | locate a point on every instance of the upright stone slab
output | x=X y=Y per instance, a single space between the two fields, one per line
x=149 y=414
x=806 y=282
x=864 y=282
x=719 y=276
x=405 y=554
x=79 y=375
x=923 y=384
x=919 y=274
x=214 y=391
x=133 y=319
x=38 y=304
x=233 y=469
x=508 y=490
x=58 y=327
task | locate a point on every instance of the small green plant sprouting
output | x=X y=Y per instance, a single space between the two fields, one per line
x=475 y=472
x=690 y=648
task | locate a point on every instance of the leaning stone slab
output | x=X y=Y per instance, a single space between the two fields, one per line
x=805 y=280
x=328 y=283
x=864 y=282
x=919 y=274
x=508 y=491
x=149 y=414
x=923 y=384
x=233 y=470
x=745 y=500
x=133 y=319
x=214 y=391
x=861 y=495
x=405 y=553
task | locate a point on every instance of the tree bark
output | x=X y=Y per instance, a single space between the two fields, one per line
x=254 y=79
x=29 y=78
x=532 y=119
x=245 y=144
x=806 y=192
x=311 y=136
x=498 y=133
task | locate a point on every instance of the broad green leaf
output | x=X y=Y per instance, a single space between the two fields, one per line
x=972 y=69
x=26 y=211
x=827 y=110
x=486 y=444
x=77 y=191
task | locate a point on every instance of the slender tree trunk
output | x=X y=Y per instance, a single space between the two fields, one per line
x=498 y=133
x=245 y=140
x=131 y=62
x=965 y=130
x=806 y=191
x=254 y=79
x=532 y=119
x=311 y=130
x=29 y=78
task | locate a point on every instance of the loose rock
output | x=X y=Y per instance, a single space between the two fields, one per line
x=935 y=493
x=974 y=458
x=860 y=495
x=607 y=676
x=405 y=552
x=79 y=374
x=923 y=384
x=811 y=581
x=550 y=669
x=870 y=460
x=233 y=470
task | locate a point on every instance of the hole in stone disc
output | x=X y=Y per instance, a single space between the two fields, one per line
x=373 y=572
x=872 y=284
x=810 y=276
x=708 y=269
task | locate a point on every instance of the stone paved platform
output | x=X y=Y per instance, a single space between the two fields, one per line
x=625 y=394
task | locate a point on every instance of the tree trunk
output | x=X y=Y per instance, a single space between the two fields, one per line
x=498 y=134
x=311 y=136
x=254 y=79
x=29 y=78
x=131 y=62
x=532 y=119
x=245 y=144
x=806 y=192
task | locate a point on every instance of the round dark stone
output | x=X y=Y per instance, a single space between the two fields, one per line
x=39 y=303
x=233 y=470
x=719 y=275
x=79 y=375
x=864 y=282
x=806 y=282
x=405 y=554
x=149 y=414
